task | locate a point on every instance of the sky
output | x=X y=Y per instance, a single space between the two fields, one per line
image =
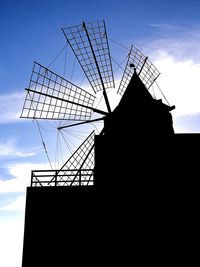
x=167 y=31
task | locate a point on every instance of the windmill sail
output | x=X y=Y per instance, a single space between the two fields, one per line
x=82 y=161
x=50 y=96
x=147 y=72
x=90 y=45
x=78 y=170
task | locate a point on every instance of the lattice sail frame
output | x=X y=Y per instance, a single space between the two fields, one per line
x=50 y=96
x=89 y=43
x=77 y=171
x=147 y=72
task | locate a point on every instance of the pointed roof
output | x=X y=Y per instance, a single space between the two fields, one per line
x=136 y=90
x=139 y=112
x=135 y=97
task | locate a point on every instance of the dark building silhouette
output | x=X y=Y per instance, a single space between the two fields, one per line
x=139 y=114
x=142 y=208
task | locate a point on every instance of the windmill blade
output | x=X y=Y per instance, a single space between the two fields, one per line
x=78 y=158
x=89 y=43
x=78 y=170
x=50 y=96
x=147 y=72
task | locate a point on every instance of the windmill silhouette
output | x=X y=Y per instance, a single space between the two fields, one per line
x=52 y=97
x=109 y=203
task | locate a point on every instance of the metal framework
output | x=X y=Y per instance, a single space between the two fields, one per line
x=77 y=171
x=147 y=72
x=50 y=96
x=83 y=156
x=62 y=178
x=89 y=43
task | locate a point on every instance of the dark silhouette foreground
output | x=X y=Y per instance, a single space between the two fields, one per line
x=142 y=208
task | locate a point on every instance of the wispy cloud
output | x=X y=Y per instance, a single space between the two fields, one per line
x=11 y=106
x=20 y=174
x=175 y=52
x=17 y=205
x=177 y=40
x=178 y=60
x=9 y=149
x=165 y=26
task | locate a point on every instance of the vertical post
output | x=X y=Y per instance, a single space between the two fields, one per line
x=79 y=177
x=79 y=170
x=56 y=175
x=31 y=178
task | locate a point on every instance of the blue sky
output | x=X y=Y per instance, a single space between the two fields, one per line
x=168 y=31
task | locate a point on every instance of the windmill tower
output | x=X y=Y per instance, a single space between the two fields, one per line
x=71 y=210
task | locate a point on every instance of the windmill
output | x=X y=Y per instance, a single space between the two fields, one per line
x=52 y=97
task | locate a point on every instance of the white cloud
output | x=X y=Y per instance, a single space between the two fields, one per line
x=178 y=40
x=11 y=242
x=177 y=56
x=9 y=149
x=21 y=173
x=17 y=205
x=113 y=97
x=180 y=83
x=12 y=227
x=11 y=106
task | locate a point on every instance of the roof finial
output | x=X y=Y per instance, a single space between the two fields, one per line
x=131 y=65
